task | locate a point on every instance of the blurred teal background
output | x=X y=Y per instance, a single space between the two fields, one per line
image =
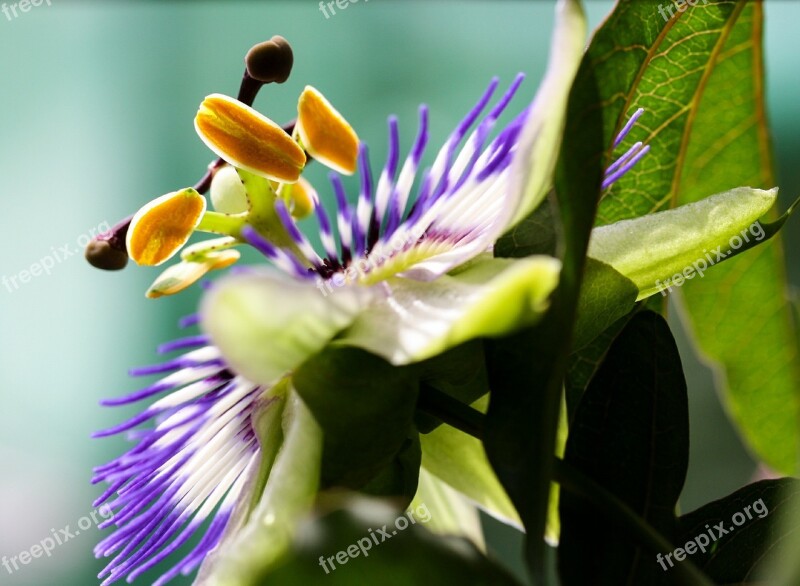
x=96 y=108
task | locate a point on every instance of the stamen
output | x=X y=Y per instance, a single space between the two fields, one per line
x=267 y=62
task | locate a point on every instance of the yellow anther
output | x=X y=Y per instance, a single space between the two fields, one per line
x=248 y=140
x=180 y=276
x=163 y=226
x=325 y=134
x=300 y=198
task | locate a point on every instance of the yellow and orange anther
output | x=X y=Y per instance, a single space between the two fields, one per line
x=161 y=228
x=187 y=272
x=300 y=198
x=249 y=140
x=325 y=134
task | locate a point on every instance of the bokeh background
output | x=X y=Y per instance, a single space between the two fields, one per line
x=96 y=108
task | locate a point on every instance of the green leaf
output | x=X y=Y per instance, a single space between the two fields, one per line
x=401 y=553
x=606 y=296
x=460 y=460
x=365 y=425
x=735 y=538
x=729 y=145
x=662 y=249
x=400 y=478
x=630 y=434
x=644 y=61
x=585 y=361
x=699 y=75
x=459 y=373
x=451 y=512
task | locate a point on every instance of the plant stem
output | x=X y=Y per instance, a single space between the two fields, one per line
x=451 y=411
x=218 y=223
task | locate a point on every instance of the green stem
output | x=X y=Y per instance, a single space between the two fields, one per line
x=470 y=421
x=218 y=223
x=451 y=411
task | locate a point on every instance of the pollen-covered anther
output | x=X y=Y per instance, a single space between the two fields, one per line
x=164 y=225
x=180 y=276
x=301 y=198
x=325 y=134
x=249 y=140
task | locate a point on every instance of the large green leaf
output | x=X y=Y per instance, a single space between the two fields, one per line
x=365 y=407
x=630 y=434
x=606 y=296
x=735 y=537
x=460 y=461
x=699 y=76
x=459 y=373
x=664 y=249
x=644 y=61
x=754 y=352
x=585 y=362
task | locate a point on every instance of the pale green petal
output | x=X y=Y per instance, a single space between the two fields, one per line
x=447 y=511
x=533 y=166
x=459 y=460
x=289 y=494
x=415 y=320
x=689 y=239
x=267 y=324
